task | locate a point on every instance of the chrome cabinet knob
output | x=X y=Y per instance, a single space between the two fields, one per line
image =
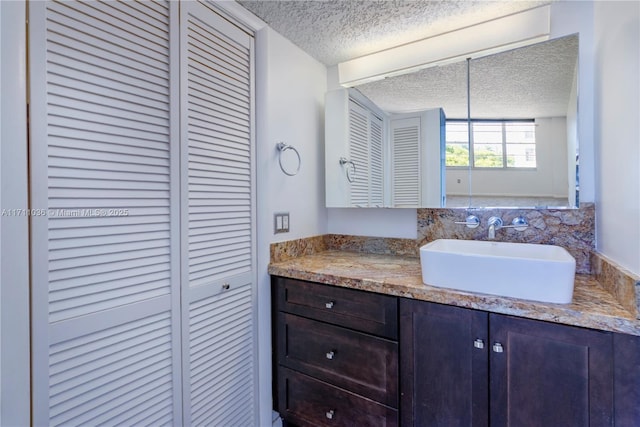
x=478 y=343
x=497 y=348
x=329 y=414
x=329 y=304
x=330 y=355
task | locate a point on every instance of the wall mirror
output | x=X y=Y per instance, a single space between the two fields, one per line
x=519 y=111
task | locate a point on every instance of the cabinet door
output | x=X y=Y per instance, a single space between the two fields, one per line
x=627 y=379
x=444 y=378
x=105 y=282
x=549 y=375
x=218 y=219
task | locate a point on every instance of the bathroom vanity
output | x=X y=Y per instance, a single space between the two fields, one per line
x=359 y=340
x=337 y=354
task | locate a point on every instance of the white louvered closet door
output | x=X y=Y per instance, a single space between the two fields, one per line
x=405 y=162
x=105 y=296
x=219 y=347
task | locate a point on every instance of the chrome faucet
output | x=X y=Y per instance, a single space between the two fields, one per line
x=495 y=223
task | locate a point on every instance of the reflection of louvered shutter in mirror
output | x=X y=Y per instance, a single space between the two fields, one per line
x=417 y=147
x=405 y=161
x=365 y=150
x=355 y=145
x=359 y=153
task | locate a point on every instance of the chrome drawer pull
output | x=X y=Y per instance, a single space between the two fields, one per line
x=478 y=343
x=329 y=414
x=330 y=355
x=497 y=348
x=329 y=304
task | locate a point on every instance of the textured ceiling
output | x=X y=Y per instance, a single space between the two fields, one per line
x=528 y=82
x=533 y=81
x=334 y=31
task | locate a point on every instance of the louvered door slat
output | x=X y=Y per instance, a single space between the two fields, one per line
x=199 y=81
x=154 y=10
x=66 y=42
x=83 y=358
x=105 y=329
x=106 y=34
x=221 y=378
x=121 y=17
x=219 y=184
x=205 y=102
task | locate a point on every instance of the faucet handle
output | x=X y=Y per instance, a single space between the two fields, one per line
x=472 y=221
x=519 y=224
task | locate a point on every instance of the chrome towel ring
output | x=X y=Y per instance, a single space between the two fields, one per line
x=282 y=147
x=351 y=176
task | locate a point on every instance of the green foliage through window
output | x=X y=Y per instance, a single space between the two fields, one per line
x=495 y=144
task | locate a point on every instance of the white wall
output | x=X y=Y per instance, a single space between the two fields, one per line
x=570 y=17
x=14 y=263
x=401 y=223
x=290 y=108
x=617 y=131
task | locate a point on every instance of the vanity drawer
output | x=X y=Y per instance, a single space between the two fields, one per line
x=359 y=362
x=365 y=311
x=309 y=402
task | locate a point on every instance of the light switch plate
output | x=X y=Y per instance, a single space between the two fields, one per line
x=281 y=222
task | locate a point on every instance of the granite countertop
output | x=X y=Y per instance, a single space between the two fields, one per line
x=592 y=306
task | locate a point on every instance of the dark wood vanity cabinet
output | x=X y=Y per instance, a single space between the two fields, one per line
x=470 y=368
x=549 y=374
x=336 y=361
x=344 y=357
x=444 y=365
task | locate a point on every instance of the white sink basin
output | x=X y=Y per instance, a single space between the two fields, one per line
x=518 y=270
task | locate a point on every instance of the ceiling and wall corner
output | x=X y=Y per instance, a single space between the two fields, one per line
x=482 y=39
x=335 y=31
x=538 y=66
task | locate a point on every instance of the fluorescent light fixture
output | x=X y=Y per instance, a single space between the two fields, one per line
x=500 y=34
